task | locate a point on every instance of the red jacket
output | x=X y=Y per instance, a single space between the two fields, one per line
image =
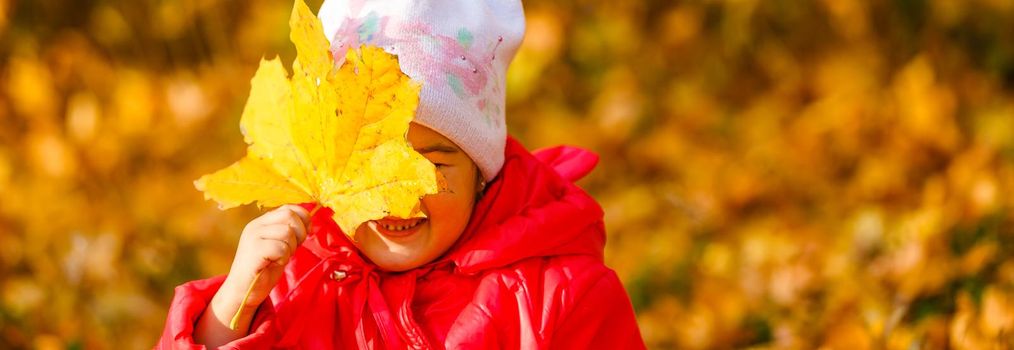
x=527 y=273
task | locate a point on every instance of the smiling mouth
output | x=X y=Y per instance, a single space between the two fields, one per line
x=397 y=226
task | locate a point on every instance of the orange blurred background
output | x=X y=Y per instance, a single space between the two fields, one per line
x=775 y=174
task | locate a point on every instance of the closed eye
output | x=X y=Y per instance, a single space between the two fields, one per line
x=439 y=148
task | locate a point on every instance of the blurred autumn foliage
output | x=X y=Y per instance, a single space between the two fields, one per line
x=775 y=174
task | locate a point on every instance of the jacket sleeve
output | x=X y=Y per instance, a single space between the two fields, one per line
x=601 y=318
x=189 y=303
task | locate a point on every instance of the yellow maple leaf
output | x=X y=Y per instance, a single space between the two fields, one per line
x=331 y=135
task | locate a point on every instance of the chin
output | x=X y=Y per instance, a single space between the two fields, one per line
x=390 y=261
x=397 y=266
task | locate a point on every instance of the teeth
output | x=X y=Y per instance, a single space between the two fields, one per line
x=399 y=227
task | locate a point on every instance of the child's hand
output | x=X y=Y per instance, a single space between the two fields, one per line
x=265 y=246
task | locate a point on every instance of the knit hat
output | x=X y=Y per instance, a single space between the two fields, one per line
x=458 y=49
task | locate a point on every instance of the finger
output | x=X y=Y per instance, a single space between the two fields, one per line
x=304 y=216
x=274 y=251
x=293 y=243
x=284 y=233
x=271 y=217
x=278 y=231
x=298 y=231
x=298 y=223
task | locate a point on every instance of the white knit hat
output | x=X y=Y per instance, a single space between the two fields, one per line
x=458 y=49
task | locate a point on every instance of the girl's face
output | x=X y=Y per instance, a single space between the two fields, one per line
x=398 y=244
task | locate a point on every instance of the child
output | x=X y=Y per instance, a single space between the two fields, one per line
x=509 y=257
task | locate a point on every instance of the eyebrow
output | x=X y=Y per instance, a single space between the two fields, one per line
x=440 y=147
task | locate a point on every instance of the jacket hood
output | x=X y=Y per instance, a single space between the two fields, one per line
x=531 y=209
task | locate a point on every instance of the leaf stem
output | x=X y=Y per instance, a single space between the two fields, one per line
x=234 y=324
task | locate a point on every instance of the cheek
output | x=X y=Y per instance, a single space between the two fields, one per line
x=449 y=212
x=461 y=182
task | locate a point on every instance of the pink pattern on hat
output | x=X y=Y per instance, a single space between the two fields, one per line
x=446 y=60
